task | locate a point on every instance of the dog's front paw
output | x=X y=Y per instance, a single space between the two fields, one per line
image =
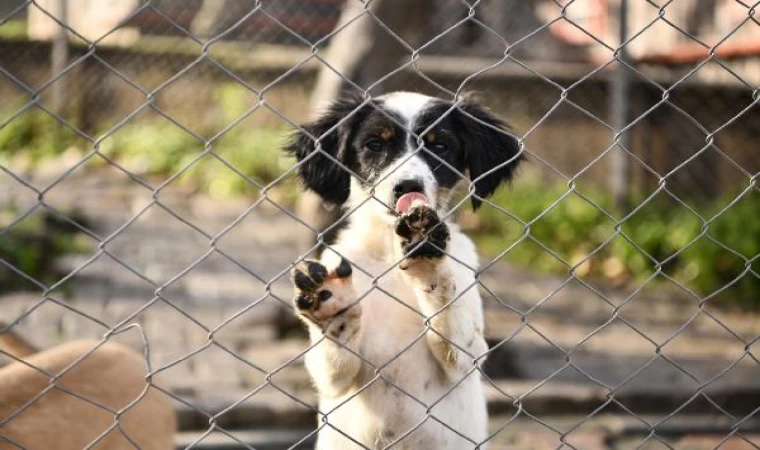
x=322 y=294
x=423 y=236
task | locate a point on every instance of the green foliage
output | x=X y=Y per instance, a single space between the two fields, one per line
x=162 y=148
x=33 y=245
x=154 y=147
x=36 y=134
x=661 y=235
x=158 y=148
x=13 y=29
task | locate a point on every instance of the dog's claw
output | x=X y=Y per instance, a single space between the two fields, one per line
x=344 y=269
x=309 y=275
x=304 y=302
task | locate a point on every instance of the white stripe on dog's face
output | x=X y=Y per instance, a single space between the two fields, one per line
x=407 y=105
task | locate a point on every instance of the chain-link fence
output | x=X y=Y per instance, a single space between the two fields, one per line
x=147 y=207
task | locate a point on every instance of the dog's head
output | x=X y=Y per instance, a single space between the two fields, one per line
x=403 y=143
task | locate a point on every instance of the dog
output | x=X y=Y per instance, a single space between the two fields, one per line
x=392 y=307
x=80 y=409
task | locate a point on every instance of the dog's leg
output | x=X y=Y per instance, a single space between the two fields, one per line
x=325 y=300
x=456 y=333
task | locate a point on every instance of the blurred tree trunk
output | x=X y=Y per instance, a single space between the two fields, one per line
x=207 y=19
x=59 y=59
x=361 y=51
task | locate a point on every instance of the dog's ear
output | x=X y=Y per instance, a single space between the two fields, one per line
x=491 y=151
x=327 y=135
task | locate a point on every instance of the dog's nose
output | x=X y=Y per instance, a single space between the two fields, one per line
x=407 y=186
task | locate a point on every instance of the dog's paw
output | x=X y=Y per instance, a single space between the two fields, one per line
x=424 y=237
x=322 y=294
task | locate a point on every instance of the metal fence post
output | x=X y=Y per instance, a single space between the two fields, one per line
x=619 y=110
x=59 y=56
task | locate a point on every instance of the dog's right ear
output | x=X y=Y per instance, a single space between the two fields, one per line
x=327 y=135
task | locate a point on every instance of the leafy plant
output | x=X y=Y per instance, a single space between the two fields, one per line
x=157 y=148
x=36 y=134
x=13 y=29
x=561 y=230
x=34 y=244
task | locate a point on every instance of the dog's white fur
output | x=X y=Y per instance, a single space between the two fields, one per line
x=418 y=387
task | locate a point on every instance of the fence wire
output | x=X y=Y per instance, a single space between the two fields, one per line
x=704 y=166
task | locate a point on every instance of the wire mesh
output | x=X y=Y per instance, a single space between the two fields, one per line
x=200 y=287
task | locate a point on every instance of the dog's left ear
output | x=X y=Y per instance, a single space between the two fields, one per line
x=319 y=144
x=491 y=151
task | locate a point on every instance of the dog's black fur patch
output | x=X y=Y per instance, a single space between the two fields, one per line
x=325 y=141
x=324 y=295
x=488 y=146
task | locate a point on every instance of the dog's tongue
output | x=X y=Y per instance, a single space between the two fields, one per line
x=405 y=202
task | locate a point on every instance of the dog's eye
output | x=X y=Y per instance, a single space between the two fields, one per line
x=439 y=147
x=374 y=145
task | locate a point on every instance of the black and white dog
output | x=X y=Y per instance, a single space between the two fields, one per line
x=393 y=308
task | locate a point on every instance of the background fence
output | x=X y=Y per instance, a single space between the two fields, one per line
x=142 y=182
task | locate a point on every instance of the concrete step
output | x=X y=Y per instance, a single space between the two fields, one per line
x=598 y=432
x=260 y=440
x=270 y=408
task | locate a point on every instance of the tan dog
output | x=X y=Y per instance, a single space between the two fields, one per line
x=112 y=376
